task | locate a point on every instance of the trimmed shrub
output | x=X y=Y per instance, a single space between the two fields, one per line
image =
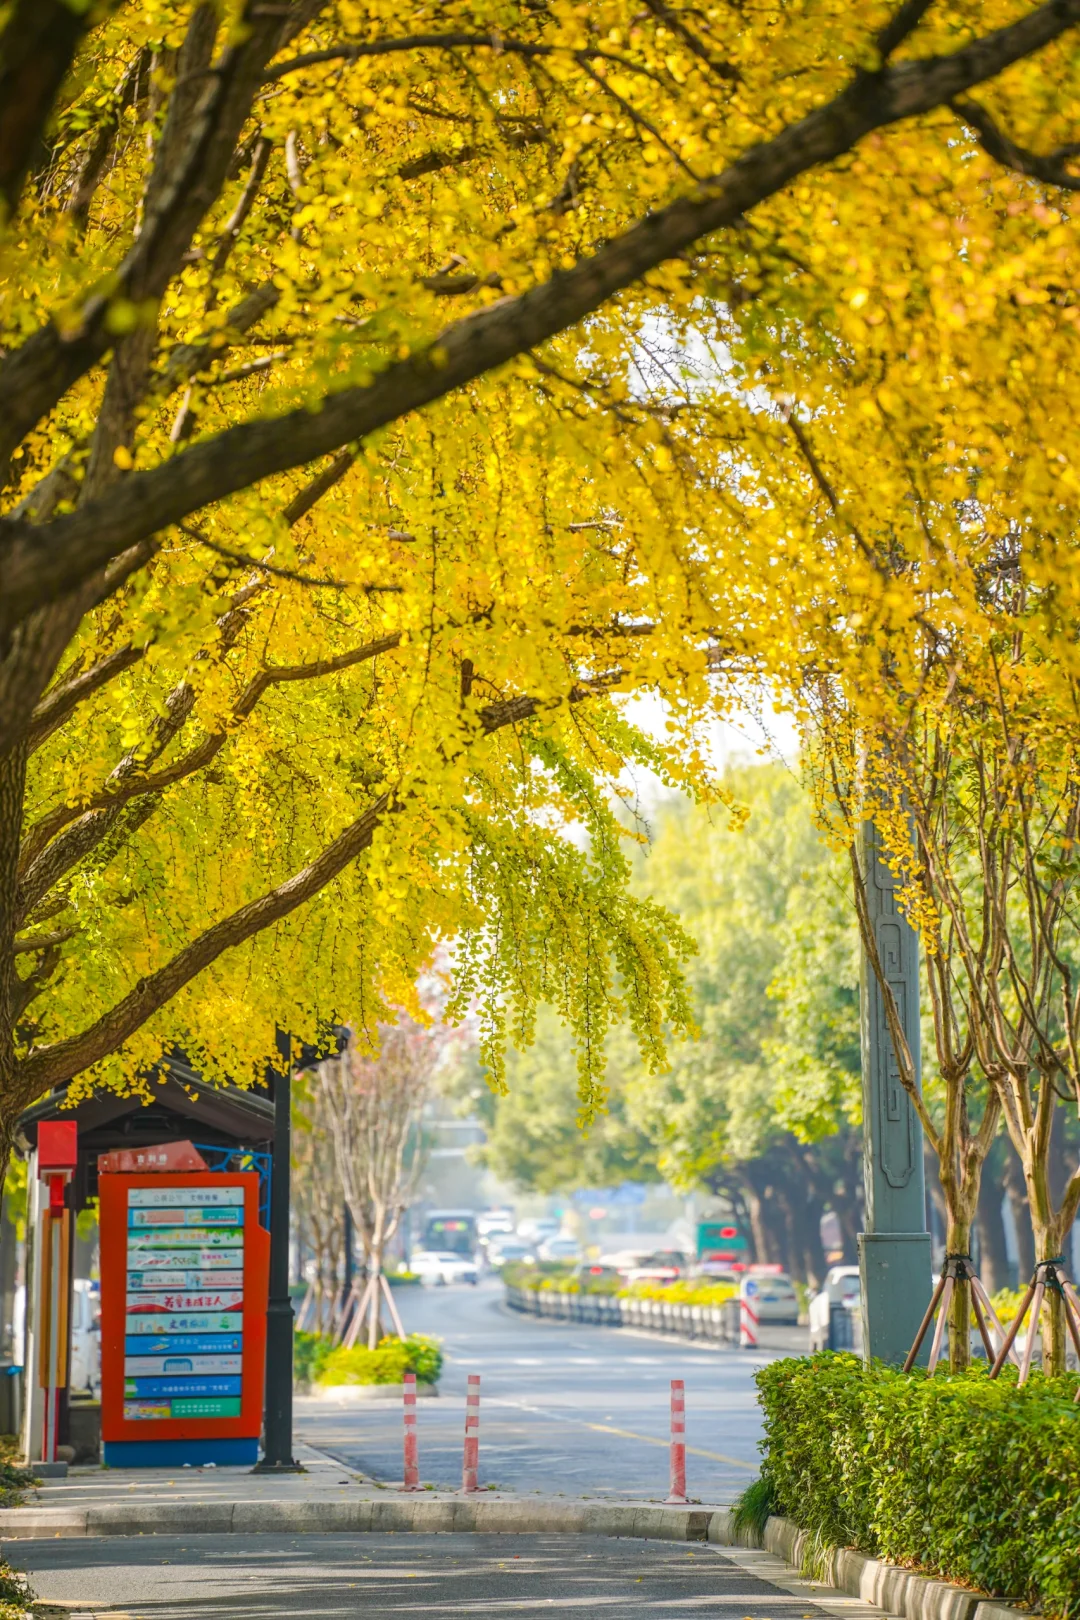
x=310 y=1351
x=975 y=1480
x=387 y=1364
x=684 y=1291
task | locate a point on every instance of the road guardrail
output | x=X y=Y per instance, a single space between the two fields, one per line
x=718 y=1323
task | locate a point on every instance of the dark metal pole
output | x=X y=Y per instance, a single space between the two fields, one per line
x=277 y=1455
x=894 y=1251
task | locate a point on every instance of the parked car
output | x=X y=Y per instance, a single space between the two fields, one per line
x=842 y=1287
x=437 y=1267
x=495 y=1222
x=85 y=1378
x=559 y=1247
x=777 y=1301
x=501 y=1250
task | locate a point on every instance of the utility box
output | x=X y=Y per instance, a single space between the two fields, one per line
x=184 y=1284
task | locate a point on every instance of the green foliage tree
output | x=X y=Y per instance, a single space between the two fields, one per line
x=763 y=1105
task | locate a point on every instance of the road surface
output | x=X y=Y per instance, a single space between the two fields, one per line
x=435 y=1577
x=564 y=1407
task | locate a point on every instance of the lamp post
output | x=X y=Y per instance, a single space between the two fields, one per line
x=894 y=1250
x=277 y=1455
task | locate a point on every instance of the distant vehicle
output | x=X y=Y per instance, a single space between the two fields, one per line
x=538 y=1227
x=437 y=1267
x=492 y=1222
x=453 y=1229
x=777 y=1301
x=662 y=1265
x=591 y=1272
x=85 y=1375
x=559 y=1248
x=842 y=1287
x=625 y=1260
x=721 y=1243
x=500 y=1250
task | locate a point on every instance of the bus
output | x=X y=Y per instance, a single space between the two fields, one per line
x=721 y=1243
x=451 y=1230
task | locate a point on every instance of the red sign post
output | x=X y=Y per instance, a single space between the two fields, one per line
x=184 y=1280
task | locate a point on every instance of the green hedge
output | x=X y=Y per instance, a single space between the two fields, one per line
x=973 y=1480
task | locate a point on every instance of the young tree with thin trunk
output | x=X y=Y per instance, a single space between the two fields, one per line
x=318 y=1201
x=374 y=1102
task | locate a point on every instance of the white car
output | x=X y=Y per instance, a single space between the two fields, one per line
x=494 y=1223
x=842 y=1287
x=500 y=1250
x=776 y=1299
x=437 y=1267
x=559 y=1248
x=538 y=1228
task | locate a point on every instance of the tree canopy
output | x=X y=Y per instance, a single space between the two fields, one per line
x=385 y=393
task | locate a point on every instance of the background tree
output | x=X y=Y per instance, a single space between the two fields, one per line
x=318 y=1203
x=219 y=269
x=374 y=1102
x=763 y=1107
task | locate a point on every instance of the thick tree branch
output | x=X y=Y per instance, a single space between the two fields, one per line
x=96 y=814
x=36 y=564
x=57 y=705
x=1052 y=170
x=36 y=375
x=37 y=48
x=52 y=1064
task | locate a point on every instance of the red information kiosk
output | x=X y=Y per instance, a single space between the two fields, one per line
x=184 y=1280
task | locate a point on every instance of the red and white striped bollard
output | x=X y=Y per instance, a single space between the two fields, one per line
x=412 y=1463
x=472 y=1435
x=748 y=1317
x=678 y=1441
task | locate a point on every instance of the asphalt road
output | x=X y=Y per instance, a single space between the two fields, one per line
x=229 y=1577
x=564 y=1407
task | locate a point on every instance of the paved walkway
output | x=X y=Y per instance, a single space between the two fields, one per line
x=442 y=1577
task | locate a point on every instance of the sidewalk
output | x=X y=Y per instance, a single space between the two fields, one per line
x=327 y=1497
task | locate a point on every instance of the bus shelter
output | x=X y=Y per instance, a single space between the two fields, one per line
x=181 y=1176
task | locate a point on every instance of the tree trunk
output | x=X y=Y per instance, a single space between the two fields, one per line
x=375 y=1331
x=1021 y=1212
x=994 y=1257
x=759 y=1236
x=957 y=1241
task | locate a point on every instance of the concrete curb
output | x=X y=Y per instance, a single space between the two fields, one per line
x=898 y=1591
x=887 y=1586
x=425 y=1515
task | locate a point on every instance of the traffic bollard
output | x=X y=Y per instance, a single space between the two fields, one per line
x=748 y=1324
x=678 y=1441
x=472 y=1434
x=412 y=1465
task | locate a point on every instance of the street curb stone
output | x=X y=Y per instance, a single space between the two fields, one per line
x=898 y=1591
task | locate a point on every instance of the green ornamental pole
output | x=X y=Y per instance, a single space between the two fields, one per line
x=894 y=1250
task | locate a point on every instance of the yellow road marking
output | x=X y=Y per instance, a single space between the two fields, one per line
x=651 y=1440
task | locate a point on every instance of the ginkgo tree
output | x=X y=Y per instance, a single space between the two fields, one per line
x=296 y=566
